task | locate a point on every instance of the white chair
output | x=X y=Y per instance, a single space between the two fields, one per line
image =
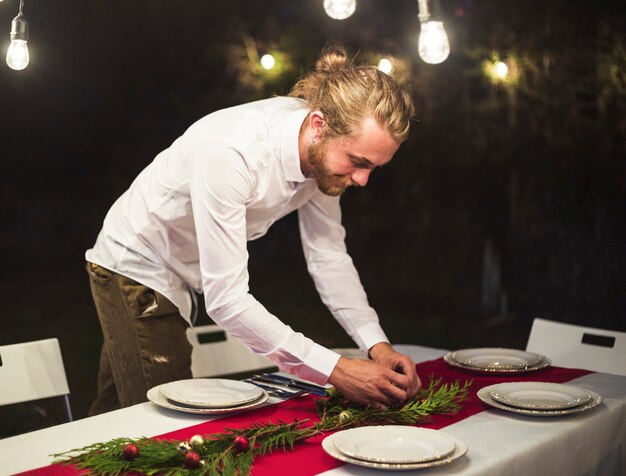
x=32 y=371
x=569 y=345
x=215 y=354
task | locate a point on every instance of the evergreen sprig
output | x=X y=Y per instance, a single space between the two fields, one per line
x=220 y=455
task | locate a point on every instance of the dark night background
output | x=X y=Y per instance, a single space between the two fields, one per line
x=507 y=203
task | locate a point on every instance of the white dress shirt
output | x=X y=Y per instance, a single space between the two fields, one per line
x=184 y=223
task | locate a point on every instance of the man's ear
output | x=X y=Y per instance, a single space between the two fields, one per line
x=317 y=123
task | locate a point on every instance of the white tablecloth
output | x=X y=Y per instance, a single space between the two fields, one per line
x=587 y=444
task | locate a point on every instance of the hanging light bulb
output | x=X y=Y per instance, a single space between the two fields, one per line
x=17 y=55
x=339 y=9
x=433 y=45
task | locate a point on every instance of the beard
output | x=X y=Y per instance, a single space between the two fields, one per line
x=329 y=183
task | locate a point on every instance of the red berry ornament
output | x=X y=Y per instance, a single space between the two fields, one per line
x=241 y=443
x=131 y=452
x=192 y=460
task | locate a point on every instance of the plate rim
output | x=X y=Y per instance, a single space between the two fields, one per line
x=570 y=404
x=483 y=395
x=157 y=398
x=460 y=450
x=536 y=358
x=408 y=428
x=206 y=404
x=543 y=363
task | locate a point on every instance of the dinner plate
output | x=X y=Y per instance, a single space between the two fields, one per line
x=460 y=448
x=540 y=395
x=210 y=392
x=483 y=394
x=497 y=357
x=394 y=444
x=511 y=363
x=156 y=397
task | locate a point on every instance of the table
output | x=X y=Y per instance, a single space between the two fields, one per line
x=590 y=443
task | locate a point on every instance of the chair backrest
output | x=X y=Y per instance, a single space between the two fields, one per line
x=216 y=353
x=32 y=371
x=569 y=345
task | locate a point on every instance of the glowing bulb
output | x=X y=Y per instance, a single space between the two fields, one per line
x=339 y=9
x=267 y=61
x=385 y=66
x=433 y=45
x=501 y=70
x=17 y=55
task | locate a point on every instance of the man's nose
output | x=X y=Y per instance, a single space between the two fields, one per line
x=361 y=176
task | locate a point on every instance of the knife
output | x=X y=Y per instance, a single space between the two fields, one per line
x=293 y=383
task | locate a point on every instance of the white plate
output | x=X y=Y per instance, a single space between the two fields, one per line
x=394 y=444
x=210 y=392
x=496 y=357
x=483 y=394
x=542 y=363
x=540 y=395
x=460 y=448
x=156 y=397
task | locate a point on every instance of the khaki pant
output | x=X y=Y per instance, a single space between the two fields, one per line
x=145 y=343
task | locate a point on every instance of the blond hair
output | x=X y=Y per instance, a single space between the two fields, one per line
x=346 y=94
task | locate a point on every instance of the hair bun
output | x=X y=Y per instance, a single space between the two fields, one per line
x=332 y=58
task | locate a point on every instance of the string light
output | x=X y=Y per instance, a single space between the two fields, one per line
x=385 y=66
x=268 y=61
x=17 y=55
x=501 y=70
x=339 y=9
x=433 y=45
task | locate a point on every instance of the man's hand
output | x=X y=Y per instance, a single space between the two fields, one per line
x=387 y=381
x=385 y=355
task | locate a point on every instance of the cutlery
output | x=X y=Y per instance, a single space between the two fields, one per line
x=275 y=391
x=292 y=383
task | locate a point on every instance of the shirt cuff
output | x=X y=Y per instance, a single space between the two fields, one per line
x=324 y=361
x=371 y=334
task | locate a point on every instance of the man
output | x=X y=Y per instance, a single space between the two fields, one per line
x=183 y=225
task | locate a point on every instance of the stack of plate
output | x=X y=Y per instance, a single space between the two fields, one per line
x=497 y=360
x=207 y=396
x=539 y=398
x=394 y=447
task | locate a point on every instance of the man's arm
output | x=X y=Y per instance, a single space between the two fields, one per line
x=390 y=377
x=221 y=182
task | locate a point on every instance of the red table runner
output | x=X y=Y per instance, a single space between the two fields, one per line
x=309 y=457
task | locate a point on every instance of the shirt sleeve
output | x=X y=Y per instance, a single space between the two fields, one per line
x=221 y=184
x=336 y=279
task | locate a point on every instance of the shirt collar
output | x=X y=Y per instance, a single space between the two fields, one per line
x=289 y=150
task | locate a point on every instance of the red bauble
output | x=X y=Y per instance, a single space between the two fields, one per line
x=192 y=460
x=241 y=443
x=131 y=452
